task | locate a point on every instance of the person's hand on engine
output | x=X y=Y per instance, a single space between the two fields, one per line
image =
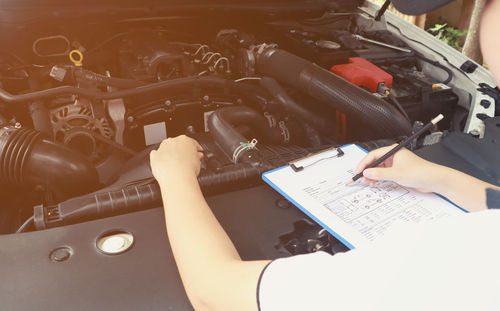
x=176 y=156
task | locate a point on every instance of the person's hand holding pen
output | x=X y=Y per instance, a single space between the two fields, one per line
x=404 y=168
x=409 y=170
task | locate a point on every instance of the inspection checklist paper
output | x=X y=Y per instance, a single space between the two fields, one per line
x=356 y=214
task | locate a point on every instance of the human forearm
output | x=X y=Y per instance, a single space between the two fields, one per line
x=193 y=222
x=213 y=275
x=211 y=269
x=464 y=190
x=199 y=244
x=407 y=169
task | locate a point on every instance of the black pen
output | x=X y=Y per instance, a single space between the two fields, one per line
x=402 y=144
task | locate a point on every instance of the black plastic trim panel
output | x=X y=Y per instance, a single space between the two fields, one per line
x=143 y=278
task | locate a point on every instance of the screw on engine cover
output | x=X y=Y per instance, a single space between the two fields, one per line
x=239 y=101
x=17 y=125
x=61 y=254
x=168 y=103
x=130 y=119
x=206 y=98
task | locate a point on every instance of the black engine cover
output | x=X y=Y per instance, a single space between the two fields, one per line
x=143 y=278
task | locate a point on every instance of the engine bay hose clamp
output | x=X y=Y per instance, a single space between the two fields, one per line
x=244 y=146
x=284 y=132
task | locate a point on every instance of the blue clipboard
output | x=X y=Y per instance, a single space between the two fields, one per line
x=305 y=211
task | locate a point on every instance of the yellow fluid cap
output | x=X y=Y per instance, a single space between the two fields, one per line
x=436 y=86
x=76 y=57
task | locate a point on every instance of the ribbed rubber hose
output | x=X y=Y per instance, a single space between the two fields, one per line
x=29 y=160
x=132 y=198
x=289 y=105
x=147 y=194
x=374 y=117
x=222 y=125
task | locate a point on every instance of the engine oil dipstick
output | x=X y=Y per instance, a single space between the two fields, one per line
x=76 y=57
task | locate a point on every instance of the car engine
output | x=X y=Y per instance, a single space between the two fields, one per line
x=82 y=107
x=88 y=89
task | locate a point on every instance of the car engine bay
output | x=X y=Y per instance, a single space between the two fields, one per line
x=80 y=113
x=82 y=104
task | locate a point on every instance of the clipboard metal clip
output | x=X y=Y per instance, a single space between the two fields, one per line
x=297 y=168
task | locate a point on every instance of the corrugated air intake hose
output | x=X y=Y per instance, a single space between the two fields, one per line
x=222 y=125
x=374 y=117
x=27 y=159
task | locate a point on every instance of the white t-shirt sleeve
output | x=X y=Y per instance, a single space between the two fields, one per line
x=302 y=282
x=453 y=264
x=284 y=282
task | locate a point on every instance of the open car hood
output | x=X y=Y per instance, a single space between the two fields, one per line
x=276 y=7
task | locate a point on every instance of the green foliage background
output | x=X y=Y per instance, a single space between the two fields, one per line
x=447 y=34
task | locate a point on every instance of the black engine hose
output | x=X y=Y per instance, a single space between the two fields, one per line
x=222 y=124
x=161 y=88
x=39 y=112
x=146 y=194
x=100 y=204
x=398 y=105
x=289 y=105
x=132 y=198
x=231 y=176
x=40 y=116
x=28 y=160
x=375 y=117
x=90 y=76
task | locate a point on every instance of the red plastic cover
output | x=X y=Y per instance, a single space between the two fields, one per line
x=361 y=72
